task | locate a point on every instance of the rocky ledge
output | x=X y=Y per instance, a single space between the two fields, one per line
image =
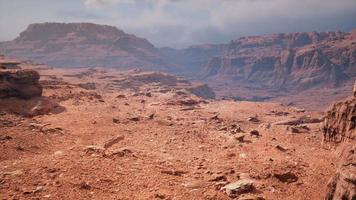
x=20 y=83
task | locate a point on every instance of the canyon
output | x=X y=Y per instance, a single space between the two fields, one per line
x=274 y=66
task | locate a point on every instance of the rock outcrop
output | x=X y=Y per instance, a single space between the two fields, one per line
x=340 y=121
x=340 y=125
x=20 y=83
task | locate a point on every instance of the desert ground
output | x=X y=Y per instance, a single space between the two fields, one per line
x=110 y=134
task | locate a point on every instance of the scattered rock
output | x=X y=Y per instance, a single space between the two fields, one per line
x=219 y=178
x=91 y=149
x=298 y=129
x=119 y=152
x=240 y=137
x=87 y=86
x=121 y=96
x=253 y=119
x=264 y=126
x=173 y=172
x=279 y=113
x=38 y=189
x=301 y=120
x=14 y=173
x=281 y=148
x=115 y=120
x=134 y=119
x=255 y=133
x=113 y=141
x=287 y=177
x=5 y=137
x=151 y=116
x=84 y=186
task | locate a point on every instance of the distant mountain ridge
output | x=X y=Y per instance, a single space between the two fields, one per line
x=285 y=61
x=82 y=44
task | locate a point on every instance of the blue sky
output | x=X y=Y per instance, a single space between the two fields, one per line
x=180 y=23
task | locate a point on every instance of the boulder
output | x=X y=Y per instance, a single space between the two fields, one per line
x=20 y=83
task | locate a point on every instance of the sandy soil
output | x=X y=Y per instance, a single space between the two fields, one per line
x=114 y=143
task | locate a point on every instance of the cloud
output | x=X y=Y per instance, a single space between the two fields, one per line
x=184 y=22
x=180 y=23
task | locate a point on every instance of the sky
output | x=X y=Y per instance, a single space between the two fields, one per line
x=181 y=23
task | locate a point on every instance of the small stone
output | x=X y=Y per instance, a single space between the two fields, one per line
x=281 y=148
x=134 y=119
x=13 y=173
x=90 y=149
x=151 y=116
x=173 y=172
x=239 y=187
x=253 y=119
x=255 y=133
x=38 y=189
x=287 y=177
x=58 y=153
x=243 y=155
x=240 y=137
x=115 y=120
x=84 y=186
x=113 y=141
x=219 y=178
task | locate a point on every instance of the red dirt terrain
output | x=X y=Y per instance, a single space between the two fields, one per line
x=110 y=134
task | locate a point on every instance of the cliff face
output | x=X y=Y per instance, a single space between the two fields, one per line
x=82 y=44
x=340 y=121
x=340 y=125
x=291 y=61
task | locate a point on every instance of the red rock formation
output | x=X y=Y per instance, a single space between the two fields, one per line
x=340 y=125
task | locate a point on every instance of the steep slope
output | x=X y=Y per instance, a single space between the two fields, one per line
x=287 y=61
x=82 y=44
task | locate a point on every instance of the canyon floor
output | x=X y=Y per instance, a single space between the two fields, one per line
x=125 y=140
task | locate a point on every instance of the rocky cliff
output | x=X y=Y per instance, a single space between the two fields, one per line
x=340 y=125
x=287 y=61
x=340 y=121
